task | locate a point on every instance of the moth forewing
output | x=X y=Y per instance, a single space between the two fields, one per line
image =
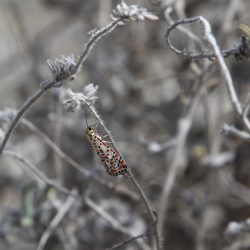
x=111 y=159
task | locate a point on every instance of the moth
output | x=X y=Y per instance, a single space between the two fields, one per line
x=111 y=159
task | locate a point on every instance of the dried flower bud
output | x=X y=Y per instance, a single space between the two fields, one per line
x=131 y=13
x=66 y=61
x=62 y=68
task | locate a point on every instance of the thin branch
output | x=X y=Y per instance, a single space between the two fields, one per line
x=31 y=167
x=229 y=16
x=245 y=113
x=208 y=36
x=91 y=43
x=240 y=52
x=234 y=187
x=75 y=101
x=109 y=219
x=132 y=178
x=231 y=130
x=65 y=68
x=46 y=85
x=224 y=69
x=178 y=161
x=184 y=126
x=57 y=219
x=104 y=215
x=150 y=211
x=21 y=112
x=218 y=160
x=125 y=242
x=57 y=135
x=56 y=149
x=77 y=166
x=155 y=147
x=187 y=32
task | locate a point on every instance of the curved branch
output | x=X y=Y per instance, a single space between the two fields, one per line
x=240 y=52
x=45 y=86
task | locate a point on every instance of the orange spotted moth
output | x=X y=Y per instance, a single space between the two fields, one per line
x=111 y=159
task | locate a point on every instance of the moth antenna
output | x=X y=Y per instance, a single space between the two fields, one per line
x=86 y=118
x=96 y=124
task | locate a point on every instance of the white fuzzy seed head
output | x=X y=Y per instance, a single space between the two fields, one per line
x=73 y=101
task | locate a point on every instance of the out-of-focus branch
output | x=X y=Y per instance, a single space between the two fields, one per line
x=234 y=187
x=38 y=174
x=177 y=159
x=57 y=219
x=117 y=246
x=208 y=36
x=231 y=130
x=240 y=52
x=75 y=165
x=155 y=147
x=109 y=219
x=187 y=32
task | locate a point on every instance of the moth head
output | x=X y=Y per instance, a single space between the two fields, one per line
x=89 y=130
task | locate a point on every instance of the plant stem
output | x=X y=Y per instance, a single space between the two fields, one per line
x=51 y=83
x=132 y=178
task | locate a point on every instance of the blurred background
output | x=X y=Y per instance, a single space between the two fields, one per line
x=145 y=94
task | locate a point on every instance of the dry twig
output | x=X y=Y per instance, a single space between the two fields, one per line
x=218 y=54
x=65 y=68
x=122 y=190
x=116 y=246
x=75 y=101
x=184 y=126
x=57 y=219
x=38 y=174
x=110 y=220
